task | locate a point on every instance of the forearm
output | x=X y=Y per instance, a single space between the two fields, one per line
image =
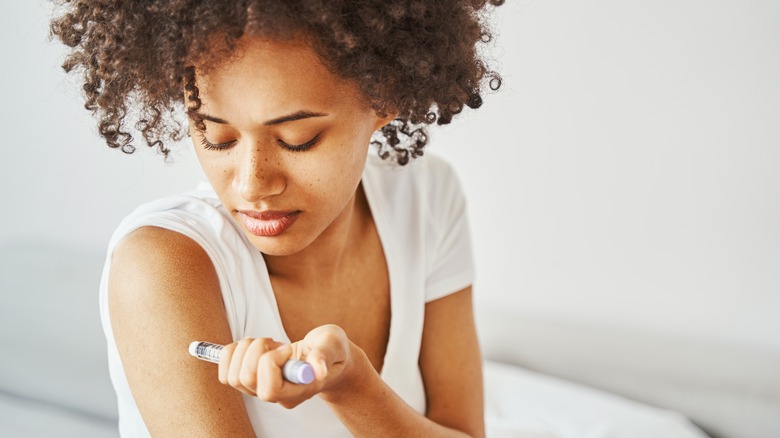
x=367 y=406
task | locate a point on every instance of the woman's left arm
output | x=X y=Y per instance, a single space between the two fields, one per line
x=451 y=366
x=450 y=362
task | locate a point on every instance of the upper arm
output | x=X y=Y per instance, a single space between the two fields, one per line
x=451 y=364
x=164 y=293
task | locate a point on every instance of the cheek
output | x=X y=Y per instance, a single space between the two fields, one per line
x=218 y=172
x=336 y=177
x=330 y=183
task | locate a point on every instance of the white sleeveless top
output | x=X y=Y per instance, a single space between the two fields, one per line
x=420 y=215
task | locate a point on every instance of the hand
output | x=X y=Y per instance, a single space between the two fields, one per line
x=254 y=366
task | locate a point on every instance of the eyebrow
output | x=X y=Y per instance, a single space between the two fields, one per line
x=298 y=115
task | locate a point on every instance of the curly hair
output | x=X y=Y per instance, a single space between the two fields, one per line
x=415 y=59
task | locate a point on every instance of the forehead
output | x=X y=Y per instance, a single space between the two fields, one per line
x=264 y=78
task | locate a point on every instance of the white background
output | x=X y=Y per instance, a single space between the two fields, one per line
x=627 y=173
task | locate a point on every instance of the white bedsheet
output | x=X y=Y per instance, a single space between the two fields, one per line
x=56 y=383
x=523 y=404
x=518 y=404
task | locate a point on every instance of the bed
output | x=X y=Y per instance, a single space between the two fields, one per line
x=54 y=380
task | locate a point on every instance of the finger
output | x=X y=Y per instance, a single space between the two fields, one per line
x=330 y=338
x=225 y=357
x=251 y=361
x=330 y=352
x=269 y=373
x=330 y=341
x=299 y=350
x=234 y=371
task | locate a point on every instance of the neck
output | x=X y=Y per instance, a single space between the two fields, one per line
x=323 y=260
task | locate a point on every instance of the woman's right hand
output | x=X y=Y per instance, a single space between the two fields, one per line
x=254 y=366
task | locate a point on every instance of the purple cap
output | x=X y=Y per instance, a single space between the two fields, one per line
x=298 y=371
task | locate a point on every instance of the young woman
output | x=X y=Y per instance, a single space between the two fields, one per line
x=302 y=245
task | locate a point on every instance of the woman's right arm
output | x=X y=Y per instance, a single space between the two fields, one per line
x=163 y=293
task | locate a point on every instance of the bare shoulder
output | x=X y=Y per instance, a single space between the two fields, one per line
x=163 y=254
x=164 y=293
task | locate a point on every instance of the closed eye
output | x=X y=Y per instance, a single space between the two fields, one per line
x=300 y=147
x=292 y=147
x=216 y=147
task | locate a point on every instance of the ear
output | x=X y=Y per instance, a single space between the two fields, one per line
x=382 y=121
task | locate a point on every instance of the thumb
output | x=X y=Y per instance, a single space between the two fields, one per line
x=319 y=361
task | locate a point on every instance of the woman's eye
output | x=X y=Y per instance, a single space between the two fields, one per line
x=216 y=147
x=292 y=147
x=302 y=146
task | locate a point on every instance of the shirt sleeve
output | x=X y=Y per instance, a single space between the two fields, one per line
x=450 y=258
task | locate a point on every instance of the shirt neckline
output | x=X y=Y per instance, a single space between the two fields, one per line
x=377 y=214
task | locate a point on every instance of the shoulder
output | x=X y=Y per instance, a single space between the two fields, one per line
x=430 y=178
x=193 y=218
x=157 y=258
x=157 y=268
x=158 y=248
x=154 y=264
x=181 y=242
x=425 y=193
x=427 y=165
x=176 y=249
x=202 y=205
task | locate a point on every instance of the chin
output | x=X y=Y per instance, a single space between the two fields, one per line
x=278 y=246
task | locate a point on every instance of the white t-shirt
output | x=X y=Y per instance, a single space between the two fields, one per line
x=420 y=215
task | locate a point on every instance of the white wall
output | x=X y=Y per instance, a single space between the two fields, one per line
x=627 y=173
x=59 y=179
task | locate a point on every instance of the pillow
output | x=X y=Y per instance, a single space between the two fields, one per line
x=523 y=404
x=726 y=388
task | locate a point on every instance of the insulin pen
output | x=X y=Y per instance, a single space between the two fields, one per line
x=294 y=371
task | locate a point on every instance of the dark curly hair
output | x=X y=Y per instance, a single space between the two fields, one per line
x=414 y=58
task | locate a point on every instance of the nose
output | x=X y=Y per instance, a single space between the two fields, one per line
x=259 y=175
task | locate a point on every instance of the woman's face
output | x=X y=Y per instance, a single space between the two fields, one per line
x=285 y=143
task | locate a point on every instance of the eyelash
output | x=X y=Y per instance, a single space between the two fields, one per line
x=300 y=147
x=293 y=148
x=215 y=147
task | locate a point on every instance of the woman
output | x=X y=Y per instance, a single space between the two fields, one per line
x=302 y=246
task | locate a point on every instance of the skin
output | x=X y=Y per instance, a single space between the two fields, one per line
x=163 y=289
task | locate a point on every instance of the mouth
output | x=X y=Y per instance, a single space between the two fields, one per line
x=267 y=223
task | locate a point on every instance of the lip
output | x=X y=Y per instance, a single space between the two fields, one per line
x=268 y=223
